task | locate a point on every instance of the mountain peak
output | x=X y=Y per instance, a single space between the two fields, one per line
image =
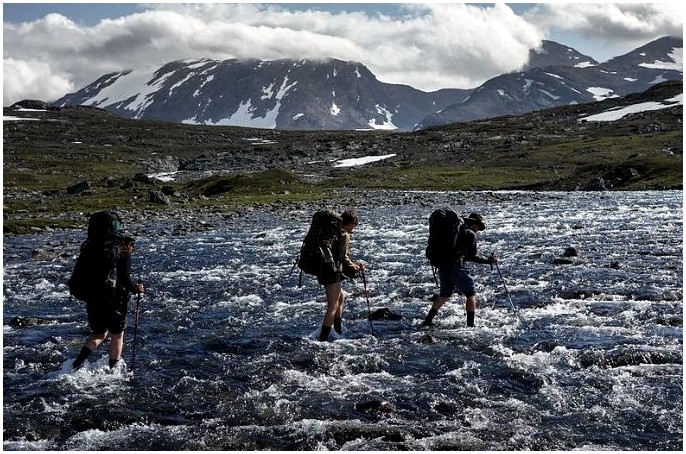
x=333 y=94
x=554 y=54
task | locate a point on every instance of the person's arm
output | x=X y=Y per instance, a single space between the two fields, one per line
x=349 y=268
x=471 y=254
x=124 y=273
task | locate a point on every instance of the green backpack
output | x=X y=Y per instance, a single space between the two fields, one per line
x=315 y=253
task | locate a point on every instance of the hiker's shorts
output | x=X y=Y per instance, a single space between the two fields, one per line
x=106 y=316
x=329 y=277
x=455 y=278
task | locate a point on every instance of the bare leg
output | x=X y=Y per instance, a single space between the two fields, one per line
x=440 y=301
x=338 y=318
x=91 y=344
x=95 y=340
x=471 y=309
x=437 y=304
x=116 y=347
x=333 y=296
x=341 y=303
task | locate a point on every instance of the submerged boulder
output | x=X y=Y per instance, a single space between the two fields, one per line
x=22 y=322
x=385 y=314
x=375 y=406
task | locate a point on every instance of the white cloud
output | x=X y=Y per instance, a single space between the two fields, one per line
x=427 y=46
x=32 y=80
x=617 y=27
x=610 y=21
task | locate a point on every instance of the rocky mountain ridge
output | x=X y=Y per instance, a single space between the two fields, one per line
x=552 y=86
x=337 y=95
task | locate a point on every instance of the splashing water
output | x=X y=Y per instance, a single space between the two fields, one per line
x=591 y=359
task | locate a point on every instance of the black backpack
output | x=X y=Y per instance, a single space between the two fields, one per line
x=445 y=228
x=104 y=225
x=95 y=273
x=315 y=253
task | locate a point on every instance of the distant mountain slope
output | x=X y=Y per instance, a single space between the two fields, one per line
x=281 y=94
x=552 y=86
x=338 y=95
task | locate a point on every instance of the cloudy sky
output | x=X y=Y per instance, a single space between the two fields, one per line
x=51 y=49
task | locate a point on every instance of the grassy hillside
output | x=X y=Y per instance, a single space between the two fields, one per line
x=222 y=167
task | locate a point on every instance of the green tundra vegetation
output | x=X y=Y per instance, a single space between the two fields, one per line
x=223 y=167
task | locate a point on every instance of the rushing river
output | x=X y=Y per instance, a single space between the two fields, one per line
x=591 y=359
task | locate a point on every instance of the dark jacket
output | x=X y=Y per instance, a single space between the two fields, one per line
x=466 y=249
x=125 y=286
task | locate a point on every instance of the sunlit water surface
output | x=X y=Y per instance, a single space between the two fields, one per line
x=226 y=357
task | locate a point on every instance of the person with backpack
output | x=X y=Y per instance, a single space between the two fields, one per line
x=461 y=248
x=102 y=278
x=331 y=277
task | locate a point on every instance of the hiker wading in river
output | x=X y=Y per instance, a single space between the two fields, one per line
x=453 y=274
x=331 y=279
x=107 y=313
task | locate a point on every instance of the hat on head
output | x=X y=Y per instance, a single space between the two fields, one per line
x=477 y=219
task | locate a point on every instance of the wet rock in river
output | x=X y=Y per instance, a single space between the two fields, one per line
x=375 y=406
x=569 y=257
x=22 y=322
x=385 y=314
x=570 y=252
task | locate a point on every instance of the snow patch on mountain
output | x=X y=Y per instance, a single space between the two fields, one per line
x=550 y=95
x=12 y=118
x=677 y=55
x=600 y=93
x=268 y=92
x=196 y=64
x=124 y=85
x=335 y=110
x=353 y=162
x=178 y=84
x=619 y=112
x=387 y=124
x=554 y=75
x=246 y=116
x=208 y=79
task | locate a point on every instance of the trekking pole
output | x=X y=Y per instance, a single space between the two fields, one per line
x=369 y=310
x=135 y=331
x=507 y=292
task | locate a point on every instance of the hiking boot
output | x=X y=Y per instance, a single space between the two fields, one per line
x=429 y=320
x=324 y=334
